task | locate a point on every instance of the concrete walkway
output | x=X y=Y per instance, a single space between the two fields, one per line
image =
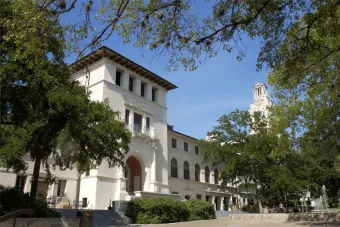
x=222 y=222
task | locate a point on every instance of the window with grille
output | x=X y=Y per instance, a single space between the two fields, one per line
x=186 y=146
x=118 y=78
x=197 y=172
x=216 y=176
x=207 y=175
x=186 y=170
x=174 y=168
x=20 y=183
x=61 y=187
x=174 y=143
x=198 y=196
x=131 y=79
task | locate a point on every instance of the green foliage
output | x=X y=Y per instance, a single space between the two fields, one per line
x=42 y=112
x=250 y=208
x=200 y=210
x=156 y=210
x=11 y=200
x=256 y=157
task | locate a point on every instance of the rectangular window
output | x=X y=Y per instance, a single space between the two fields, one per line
x=127 y=116
x=131 y=83
x=61 y=187
x=118 y=77
x=174 y=143
x=20 y=183
x=196 y=149
x=142 y=89
x=147 y=124
x=153 y=95
x=137 y=122
x=187 y=197
x=198 y=196
x=186 y=146
x=174 y=193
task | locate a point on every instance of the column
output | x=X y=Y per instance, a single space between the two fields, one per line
x=125 y=80
x=131 y=122
x=137 y=88
x=148 y=90
x=222 y=204
x=144 y=124
x=153 y=183
x=121 y=192
x=213 y=201
x=246 y=201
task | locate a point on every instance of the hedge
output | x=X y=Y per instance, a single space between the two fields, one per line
x=156 y=210
x=200 y=210
x=251 y=208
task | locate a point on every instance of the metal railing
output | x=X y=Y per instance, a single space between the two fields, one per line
x=14 y=215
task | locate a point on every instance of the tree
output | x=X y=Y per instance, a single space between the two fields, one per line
x=305 y=77
x=255 y=156
x=42 y=112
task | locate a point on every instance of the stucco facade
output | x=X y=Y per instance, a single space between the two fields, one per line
x=160 y=162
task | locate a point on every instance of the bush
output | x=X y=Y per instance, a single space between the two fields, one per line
x=200 y=210
x=155 y=210
x=11 y=200
x=250 y=208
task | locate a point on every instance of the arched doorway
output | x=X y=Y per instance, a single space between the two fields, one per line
x=134 y=175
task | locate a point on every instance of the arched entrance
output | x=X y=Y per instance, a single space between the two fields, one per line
x=134 y=175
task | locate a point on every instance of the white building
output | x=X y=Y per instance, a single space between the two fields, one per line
x=261 y=99
x=161 y=161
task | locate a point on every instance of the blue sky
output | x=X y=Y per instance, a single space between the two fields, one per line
x=218 y=86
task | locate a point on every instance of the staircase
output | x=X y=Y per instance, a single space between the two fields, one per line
x=97 y=218
x=104 y=218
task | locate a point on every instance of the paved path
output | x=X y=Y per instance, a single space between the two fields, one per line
x=225 y=223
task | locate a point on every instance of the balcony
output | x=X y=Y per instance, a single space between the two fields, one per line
x=141 y=131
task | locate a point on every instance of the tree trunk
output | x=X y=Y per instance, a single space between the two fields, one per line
x=35 y=178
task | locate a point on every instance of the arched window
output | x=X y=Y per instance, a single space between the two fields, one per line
x=186 y=170
x=197 y=172
x=174 y=168
x=207 y=174
x=216 y=176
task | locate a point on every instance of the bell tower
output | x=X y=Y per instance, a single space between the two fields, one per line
x=261 y=99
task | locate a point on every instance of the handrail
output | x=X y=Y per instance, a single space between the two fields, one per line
x=15 y=214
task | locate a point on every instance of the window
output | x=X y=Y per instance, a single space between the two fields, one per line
x=61 y=187
x=131 y=83
x=186 y=170
x=196 y=149
x=153 y=95
x=197 y=172
x=234 y=201
x=20 y=183
x=186 y=146
x=127 y=116
x=174 y=168
x=142 y=89
x=174 y=193
x=147 y=124
x=118 y=78
x=198 y=196
x=174 y=143
x=207 y=174
x=207 y=198
x=187 y=197
x=216 y=176
x=137 y=127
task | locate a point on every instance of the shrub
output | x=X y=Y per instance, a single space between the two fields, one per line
x=200 y=210
x=11 y=200
x=250 y=208
x=155 y=210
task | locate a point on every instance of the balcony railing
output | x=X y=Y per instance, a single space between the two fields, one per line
x=139 y=129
